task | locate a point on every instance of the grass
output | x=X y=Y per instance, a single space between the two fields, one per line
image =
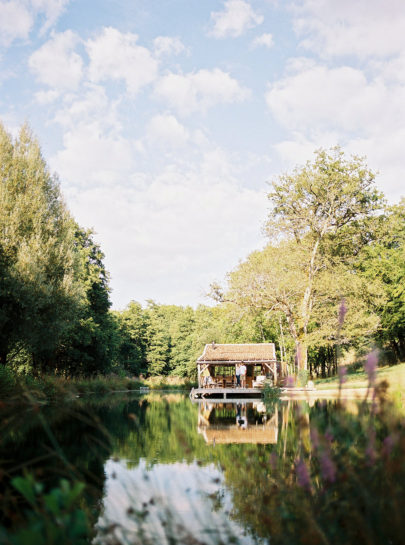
x=394 y=375
x=54 y=388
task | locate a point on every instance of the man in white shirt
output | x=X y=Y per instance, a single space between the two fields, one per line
x=242 y=370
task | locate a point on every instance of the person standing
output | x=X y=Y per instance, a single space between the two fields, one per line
x=242 y=370
x=237 y=373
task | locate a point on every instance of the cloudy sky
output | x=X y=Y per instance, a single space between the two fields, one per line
x=165 y=119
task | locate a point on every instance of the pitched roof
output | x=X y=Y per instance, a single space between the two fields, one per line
x=233 y=434
x=238 y=352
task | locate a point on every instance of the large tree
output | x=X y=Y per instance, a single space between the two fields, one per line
x=316 y=203
x=38 y=258
x=314 y=211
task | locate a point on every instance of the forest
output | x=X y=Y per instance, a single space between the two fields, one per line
x=330 y=279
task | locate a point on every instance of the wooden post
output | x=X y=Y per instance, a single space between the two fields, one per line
x=275 y=372
x=199 y=375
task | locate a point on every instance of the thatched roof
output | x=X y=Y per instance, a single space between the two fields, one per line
x=234 y=434
x=233 y=353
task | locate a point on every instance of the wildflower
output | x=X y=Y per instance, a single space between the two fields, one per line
x=342 y=374
x=328 y=468
x=342 y=311
x=302 y=472
x=388 y=444
x=290 y=381
x=370 y=367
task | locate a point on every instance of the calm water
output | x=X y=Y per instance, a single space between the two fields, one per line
x=159 y=464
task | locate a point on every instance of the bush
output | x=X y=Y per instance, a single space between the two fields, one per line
x=8 y=381
x=54 y=517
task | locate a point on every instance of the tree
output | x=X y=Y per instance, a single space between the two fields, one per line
x=317 y=213
x=132 y=325
x=159 y=340
x=384 y=260
x=312 y=206
x=90 y=344
x=38 y=291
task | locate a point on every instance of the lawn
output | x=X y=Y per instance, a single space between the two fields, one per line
x=394 y=375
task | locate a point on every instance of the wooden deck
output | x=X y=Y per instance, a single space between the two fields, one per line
x=226 y=393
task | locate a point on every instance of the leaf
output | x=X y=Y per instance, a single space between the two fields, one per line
x=26 y=487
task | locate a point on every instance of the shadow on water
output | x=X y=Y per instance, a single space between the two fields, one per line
x=160 y=469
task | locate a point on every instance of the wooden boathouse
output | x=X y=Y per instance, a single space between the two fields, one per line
x=217 y=370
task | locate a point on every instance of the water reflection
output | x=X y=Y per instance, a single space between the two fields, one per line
x=160 y=465
x=165 y=502
x=149 y=499
x=238 y=422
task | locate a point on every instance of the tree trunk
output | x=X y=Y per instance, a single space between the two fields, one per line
x=301 y=354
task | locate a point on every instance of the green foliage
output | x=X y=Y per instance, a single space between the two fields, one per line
x=7 y=382
x=132 y=326
x=383 y=261
x=302 y=377
x=323 y=215
x=38 y=291
x=54 y=295
x=271 y=396
x=53 y=517
x=167 y=339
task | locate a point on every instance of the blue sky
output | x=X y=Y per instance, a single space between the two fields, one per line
x=166 y=119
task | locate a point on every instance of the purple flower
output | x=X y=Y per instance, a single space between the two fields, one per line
x=328 y=468
x=302 y=472
x=342 y=370
x=342 y=311
x=290 y=381
x=370 y=366
x=388 y=444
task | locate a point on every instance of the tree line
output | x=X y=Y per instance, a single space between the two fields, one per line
x=330 y=277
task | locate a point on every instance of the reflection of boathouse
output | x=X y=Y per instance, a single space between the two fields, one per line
x=217 y=370
x=221 y=423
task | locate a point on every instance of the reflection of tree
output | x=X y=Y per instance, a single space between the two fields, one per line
x=261 y=479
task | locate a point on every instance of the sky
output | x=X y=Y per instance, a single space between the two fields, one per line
x=166 y=120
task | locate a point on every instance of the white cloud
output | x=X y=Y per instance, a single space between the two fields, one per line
x=265 y=40
x=15 y=22
x=166 y=45
x=46 y=97
x=324 y=106
x=383 y=155
x=170 y=234
x=237 y=17
x=165 y=130
x=341 y=98
x=93 y=157
x=56 y=64
x=92 y=105
x=17 y=17
x=200 y=90
x=52 y=10
x=363 y=27
x=114 y=55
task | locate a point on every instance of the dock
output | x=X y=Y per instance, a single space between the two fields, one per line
x=226 y=393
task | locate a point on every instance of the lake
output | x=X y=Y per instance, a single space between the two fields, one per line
x=159 y=465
